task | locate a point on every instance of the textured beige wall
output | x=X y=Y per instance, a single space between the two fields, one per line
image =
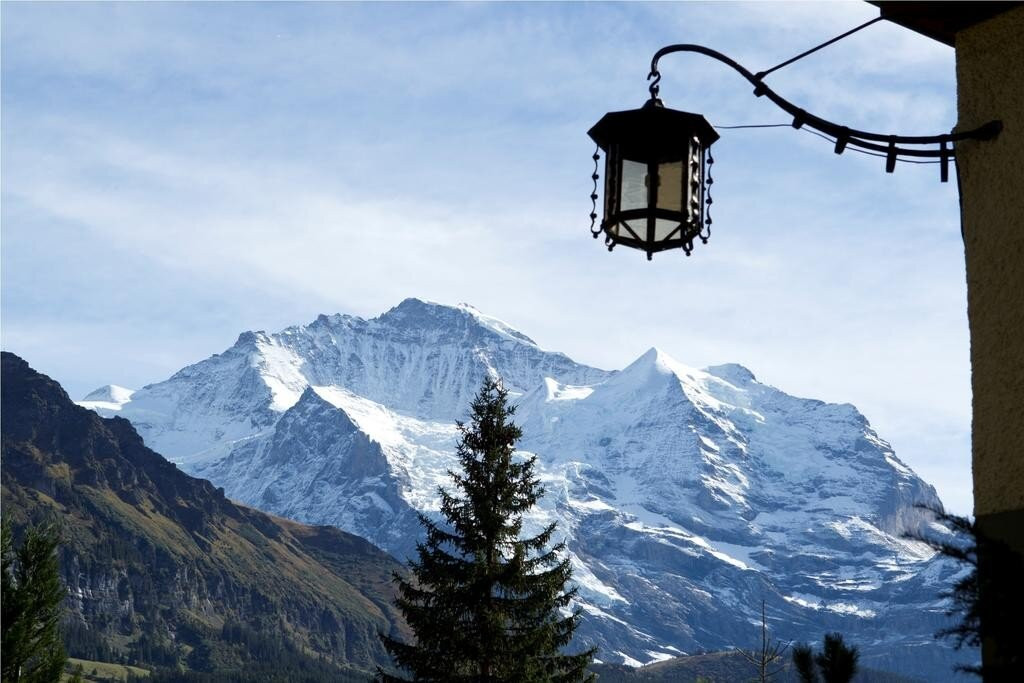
x=990 y=85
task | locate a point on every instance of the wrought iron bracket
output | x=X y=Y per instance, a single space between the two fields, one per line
x=891 y=146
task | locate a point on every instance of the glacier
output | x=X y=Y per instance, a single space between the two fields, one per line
x=685 y=496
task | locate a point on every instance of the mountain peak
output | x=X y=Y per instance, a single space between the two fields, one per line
x=316 y=401
x=656 y=360
x=248 y=339
x=422 y=358
x=423 y=313
x=24 y=386
x=651 y=374
x=107 y=400
x=413 y=306
x=323 y=321
x=653 y=355
x=110 y=393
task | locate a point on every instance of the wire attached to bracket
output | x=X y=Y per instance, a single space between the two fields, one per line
x=761 y=74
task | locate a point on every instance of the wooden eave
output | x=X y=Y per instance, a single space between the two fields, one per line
x=941 y=21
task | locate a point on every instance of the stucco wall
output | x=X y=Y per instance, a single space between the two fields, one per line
x=990 y=85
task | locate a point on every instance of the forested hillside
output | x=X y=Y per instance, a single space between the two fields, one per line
x=165 y=572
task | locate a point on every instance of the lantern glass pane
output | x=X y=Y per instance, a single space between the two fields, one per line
x=670 y=186
x=634 y=185
x=620 y=230
x=665 y=229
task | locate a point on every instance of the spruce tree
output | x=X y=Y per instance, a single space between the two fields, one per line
x=32 y=594
x=803 y=662
x=988 y=601
x=486 y=605
x=837 y=661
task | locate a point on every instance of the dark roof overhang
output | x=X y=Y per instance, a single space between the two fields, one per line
x=941 y=21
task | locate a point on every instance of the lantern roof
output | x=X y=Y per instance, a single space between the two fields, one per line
x=652 y=132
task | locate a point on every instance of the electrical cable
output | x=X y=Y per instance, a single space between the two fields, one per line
x=758 y=125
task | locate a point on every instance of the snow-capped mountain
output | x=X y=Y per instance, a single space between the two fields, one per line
x=421 y=359
x=108 y=399
x=686 y=496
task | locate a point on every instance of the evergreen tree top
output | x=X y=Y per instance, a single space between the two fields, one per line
x=32 y=651
x=488 y=604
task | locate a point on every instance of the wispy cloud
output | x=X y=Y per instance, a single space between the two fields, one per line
x=176 y=173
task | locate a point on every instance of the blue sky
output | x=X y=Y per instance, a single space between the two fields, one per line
x=176 y=173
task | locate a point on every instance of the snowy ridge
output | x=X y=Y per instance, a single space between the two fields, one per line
x=685 y=496
x=419 y=358
x=107 y=399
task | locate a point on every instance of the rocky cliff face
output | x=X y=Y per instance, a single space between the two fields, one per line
x=158 y=564
x=686 y=496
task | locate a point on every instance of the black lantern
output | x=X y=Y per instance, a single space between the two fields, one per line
x=657 y=177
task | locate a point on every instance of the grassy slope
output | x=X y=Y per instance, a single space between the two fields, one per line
x=104 y=671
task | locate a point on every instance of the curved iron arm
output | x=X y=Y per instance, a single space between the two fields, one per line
x=844 y=136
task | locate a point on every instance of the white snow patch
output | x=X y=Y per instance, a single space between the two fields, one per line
x=814 y=602
x=849 y=608
x=658 y=656
x=281 y=370
x=565 y=392
x=592 y=505
x=598 y=612
x=592 y=588
x=629 y=661
x=659 y=525
x=708 y=442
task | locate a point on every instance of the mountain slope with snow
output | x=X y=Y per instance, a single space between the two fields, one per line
x=420 y=358
x=686 y=496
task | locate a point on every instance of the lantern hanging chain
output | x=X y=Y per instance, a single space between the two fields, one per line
x=593 y=197
x=761 y=74
x=708 y=201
